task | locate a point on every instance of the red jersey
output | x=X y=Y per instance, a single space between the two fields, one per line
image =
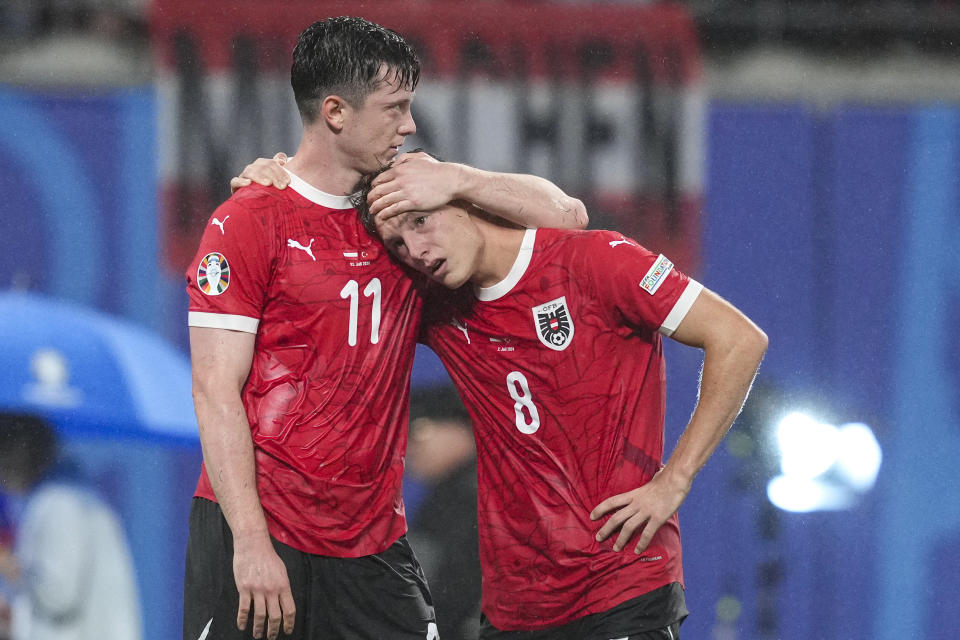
x=336 y=324
x=561 y=367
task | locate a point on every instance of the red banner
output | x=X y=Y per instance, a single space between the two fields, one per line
x=602 y=99
x=443 y=31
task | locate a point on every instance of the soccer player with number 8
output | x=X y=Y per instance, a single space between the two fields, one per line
x=553 y=339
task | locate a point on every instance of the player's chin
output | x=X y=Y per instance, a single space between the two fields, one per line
x=452 y=280
x=385 y=158
x=443 y=277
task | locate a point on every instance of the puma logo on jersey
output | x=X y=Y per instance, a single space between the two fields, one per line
x=293 y=244
x=614 y=243
x=459 y=325
x=220 y=224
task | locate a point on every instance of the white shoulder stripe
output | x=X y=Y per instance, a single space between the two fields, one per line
x=680 y=309
x=222 y=321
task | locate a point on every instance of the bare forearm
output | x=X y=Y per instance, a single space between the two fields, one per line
x=728 y=372
x=229 y=460
x=526 y=200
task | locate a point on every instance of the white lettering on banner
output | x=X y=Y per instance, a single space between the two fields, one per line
x=490 y=139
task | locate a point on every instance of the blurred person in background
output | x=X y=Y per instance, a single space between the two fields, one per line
x=71 y=570
x=302 y=336
x=9 y=569
x=443 y=529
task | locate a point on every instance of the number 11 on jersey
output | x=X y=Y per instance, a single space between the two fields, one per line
x=519 y=390
x=352 y=291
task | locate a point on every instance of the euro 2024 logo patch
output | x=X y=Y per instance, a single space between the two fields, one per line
x=553 y=323
x=213 y=274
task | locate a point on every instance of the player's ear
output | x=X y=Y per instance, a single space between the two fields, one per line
x=332 y=110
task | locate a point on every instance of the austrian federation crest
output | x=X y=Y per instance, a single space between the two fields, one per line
x=553 y=323
x=213 y=274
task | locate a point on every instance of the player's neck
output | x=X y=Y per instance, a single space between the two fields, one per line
x=321 y=167
x=500 y=250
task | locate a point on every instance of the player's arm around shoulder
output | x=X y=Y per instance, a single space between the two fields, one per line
x=419 y=182
x=524 y=199
x=263 y=171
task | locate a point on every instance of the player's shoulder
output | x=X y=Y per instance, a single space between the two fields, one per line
x=587 y=241
x=254 y=203
x=256 y=196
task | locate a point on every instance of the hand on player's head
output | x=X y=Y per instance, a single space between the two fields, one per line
x=265 y=171
x=415 y=181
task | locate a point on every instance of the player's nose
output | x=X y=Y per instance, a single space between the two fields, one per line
x=407 y=126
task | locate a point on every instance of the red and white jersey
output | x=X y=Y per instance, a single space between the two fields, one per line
x=336 y=323
x=561 y=367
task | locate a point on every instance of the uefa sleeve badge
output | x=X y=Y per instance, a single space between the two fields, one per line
x=656 y=275
x=553 y=323
x=213 y=274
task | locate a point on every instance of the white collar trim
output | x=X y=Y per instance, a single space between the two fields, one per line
x=519 y=268
x=316 y=196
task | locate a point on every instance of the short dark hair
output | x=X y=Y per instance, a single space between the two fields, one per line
x=358 y=198
x=345 y=56
x=32 y=439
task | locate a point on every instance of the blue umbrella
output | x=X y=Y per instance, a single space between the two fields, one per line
x=88 y=370
x=121 y=398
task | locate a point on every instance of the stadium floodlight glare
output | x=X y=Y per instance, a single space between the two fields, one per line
x=802 y=495
x=807 y=447
x=860 y=456
x=823 y=467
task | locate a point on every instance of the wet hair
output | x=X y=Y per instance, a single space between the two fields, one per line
x=346 y=56
x=358 y=198
x=31 y=439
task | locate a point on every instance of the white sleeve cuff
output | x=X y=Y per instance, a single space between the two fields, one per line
x=680 y=309
x=223 y=321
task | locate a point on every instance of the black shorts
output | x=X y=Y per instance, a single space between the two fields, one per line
x=368 y=598
x=653 y=616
